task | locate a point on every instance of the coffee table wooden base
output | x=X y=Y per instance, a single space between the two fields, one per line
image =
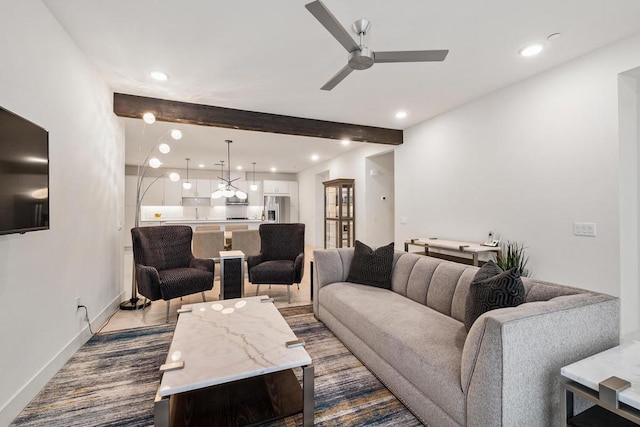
x=246 y=402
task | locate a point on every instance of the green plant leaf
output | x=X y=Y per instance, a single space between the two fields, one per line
x=512 y=255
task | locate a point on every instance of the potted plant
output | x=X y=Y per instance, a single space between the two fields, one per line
x=512 y=255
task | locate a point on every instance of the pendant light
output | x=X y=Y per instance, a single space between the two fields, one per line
x=226 y=188
x=254 y=186
x=187 y=185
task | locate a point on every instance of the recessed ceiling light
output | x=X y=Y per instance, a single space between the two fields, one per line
x=201 y=165
x=239 y=168
x=314 y=157
x=532 y=49
x=401 y=114
x=273 y=169
x=176 y=134
x=345 y=142
x=159 y=76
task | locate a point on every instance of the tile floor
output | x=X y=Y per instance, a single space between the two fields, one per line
x=156 y=313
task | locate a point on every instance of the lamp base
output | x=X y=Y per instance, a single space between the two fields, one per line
x=134 y=304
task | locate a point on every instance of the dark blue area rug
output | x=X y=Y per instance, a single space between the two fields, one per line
x=112 y=381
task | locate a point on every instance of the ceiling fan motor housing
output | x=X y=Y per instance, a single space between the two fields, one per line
x=361 y=59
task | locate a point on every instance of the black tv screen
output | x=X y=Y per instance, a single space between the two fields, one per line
x=24 y=175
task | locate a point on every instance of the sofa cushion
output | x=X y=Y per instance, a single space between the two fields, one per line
x=371 y=267
x=490 y=289
x=423 y=345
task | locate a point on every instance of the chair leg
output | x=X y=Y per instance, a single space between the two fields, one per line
x=298 y=285
x=168 y=306
x=289 y=292
x=257 y=289
x=144 y=305
x=203 y=298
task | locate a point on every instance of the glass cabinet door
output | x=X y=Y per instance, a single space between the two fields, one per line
x=339 y=210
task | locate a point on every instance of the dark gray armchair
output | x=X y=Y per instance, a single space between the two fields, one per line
x=281 y=257
x=165 y=266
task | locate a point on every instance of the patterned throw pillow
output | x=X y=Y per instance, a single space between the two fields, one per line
x=370 y=267
x=490 y=289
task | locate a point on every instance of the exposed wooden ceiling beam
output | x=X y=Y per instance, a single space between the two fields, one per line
x=197 y=114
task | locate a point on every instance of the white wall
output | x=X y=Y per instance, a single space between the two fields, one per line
x=629 y=254
x=350 y=165
x=527 y=162
x=45 y=78
x=379 y=175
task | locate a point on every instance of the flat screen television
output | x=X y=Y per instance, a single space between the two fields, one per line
x=24 y=175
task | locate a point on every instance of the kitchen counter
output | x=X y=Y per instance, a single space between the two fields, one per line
x=212 y=221
x=252 y=223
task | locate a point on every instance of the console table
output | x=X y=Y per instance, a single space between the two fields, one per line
x=610 y=380
x=472 y=249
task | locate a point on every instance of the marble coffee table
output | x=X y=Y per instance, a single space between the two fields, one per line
x=610 y=379
x=229 y=361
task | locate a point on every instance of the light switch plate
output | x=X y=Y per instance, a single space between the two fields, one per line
x=584 y=229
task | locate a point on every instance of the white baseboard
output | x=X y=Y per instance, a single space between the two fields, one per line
x=23 y=396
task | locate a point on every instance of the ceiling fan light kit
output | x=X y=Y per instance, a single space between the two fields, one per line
x=360 y=56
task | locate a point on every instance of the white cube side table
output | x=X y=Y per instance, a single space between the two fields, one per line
x=231 y=274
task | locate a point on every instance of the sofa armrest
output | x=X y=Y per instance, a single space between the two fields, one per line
x=512 y=357
x=329 y=266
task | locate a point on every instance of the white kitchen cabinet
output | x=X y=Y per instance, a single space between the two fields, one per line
x=275 y=188
x=154 y=195
x=203 y=187
x=199 y=188
x=255 y=197
x=172 y=193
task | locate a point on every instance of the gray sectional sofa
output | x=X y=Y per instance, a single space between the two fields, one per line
x=504 y=372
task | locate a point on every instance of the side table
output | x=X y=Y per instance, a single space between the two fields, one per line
x=231 y=274
x=610 y=380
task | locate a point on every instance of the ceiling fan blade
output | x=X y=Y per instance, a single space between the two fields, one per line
x=346 y=70
x=411 y=56
x=326 y=18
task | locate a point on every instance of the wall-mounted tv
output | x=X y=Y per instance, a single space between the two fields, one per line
x=24 y=175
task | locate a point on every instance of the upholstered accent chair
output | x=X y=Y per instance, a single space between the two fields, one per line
x=208 y=243
x=247 y=241
x=165 y=267
x=207 y=228
x=281 y=257
x=235 y=227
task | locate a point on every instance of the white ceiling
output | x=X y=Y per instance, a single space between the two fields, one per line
x=273 y=56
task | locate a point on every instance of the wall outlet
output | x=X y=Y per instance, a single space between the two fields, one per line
x=584 y=229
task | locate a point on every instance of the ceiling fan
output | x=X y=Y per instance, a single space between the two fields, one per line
x=360 y=56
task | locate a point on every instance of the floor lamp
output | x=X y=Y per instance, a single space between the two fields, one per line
x=134 y=302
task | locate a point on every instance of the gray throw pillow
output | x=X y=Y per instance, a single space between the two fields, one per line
x=490 y=289
x=369 y=267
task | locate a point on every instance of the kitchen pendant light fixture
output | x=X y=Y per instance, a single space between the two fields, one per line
x=187 y=185
x=254 y=186
x=226 y=188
